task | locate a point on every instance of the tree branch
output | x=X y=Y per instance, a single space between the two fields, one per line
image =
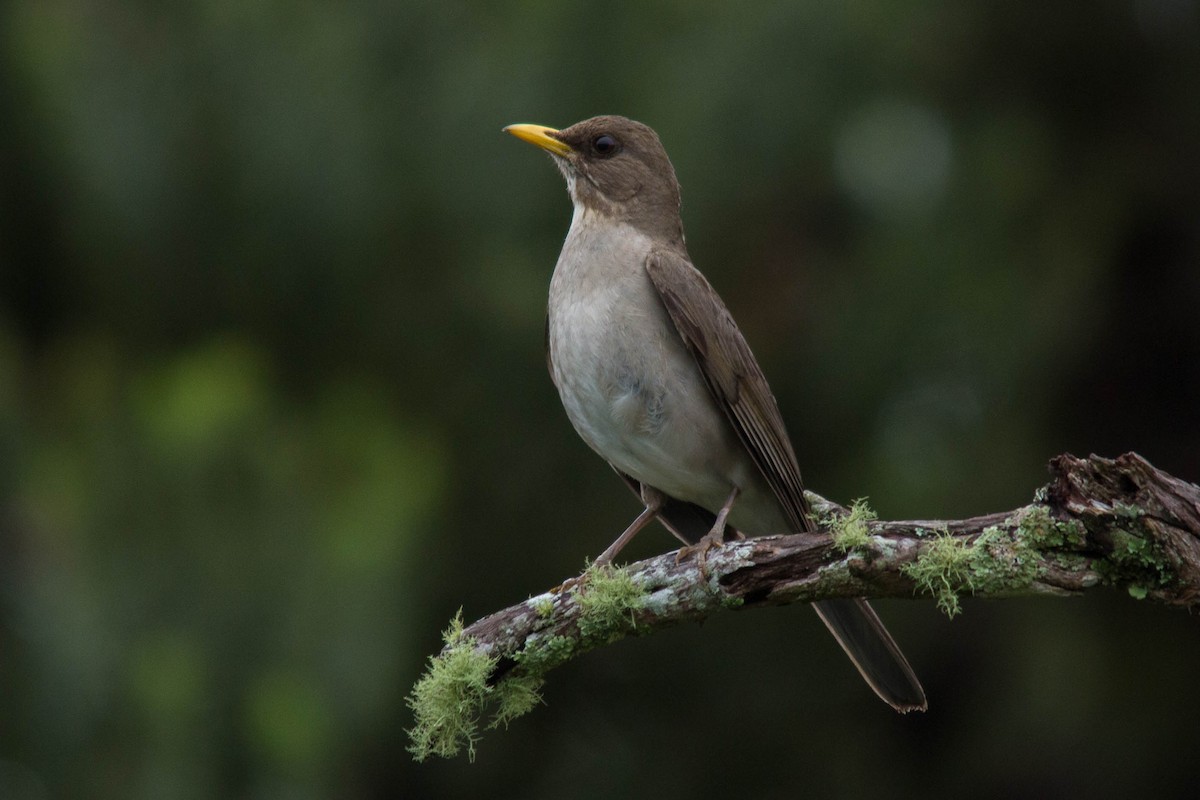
x=1099 y=523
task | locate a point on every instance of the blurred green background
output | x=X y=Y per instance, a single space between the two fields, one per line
x=273 y=402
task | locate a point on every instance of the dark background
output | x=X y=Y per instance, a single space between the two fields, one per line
x=273 y=402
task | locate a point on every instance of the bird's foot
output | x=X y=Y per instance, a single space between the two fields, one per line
x=581 y=580
x=569 y=584
x=714 y=538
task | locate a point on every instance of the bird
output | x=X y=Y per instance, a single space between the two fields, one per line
x=657 y=378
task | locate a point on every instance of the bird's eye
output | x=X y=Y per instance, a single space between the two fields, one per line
x=605 y=145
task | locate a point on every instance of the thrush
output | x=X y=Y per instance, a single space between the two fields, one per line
x=657 y=378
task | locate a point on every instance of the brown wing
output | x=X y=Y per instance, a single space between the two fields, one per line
x=733 y=376
x=738 y=385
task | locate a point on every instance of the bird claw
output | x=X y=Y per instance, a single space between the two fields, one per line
x=570 y=584
x=700 y=549
x=581 y=580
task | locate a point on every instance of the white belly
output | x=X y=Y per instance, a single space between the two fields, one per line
x=632 y=390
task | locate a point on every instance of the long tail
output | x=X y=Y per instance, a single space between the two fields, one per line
x=861 y=634
x=853 y=623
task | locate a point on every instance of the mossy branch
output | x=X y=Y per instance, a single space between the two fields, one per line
x=1117 y=523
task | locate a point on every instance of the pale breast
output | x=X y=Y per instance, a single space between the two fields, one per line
x=628 y=384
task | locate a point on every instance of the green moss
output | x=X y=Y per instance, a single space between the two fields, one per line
x=1071 y=562
x=542 y=654
x=992 y=563
x=516 y=695
x=453 y=694
x=608 y=601
x=1001 y=562
x=1042 y=532
x=997 y=562
x=449 y=698
x=850 y=530
x=1135 y=561
x=543 y=607
x=942 y=571
x=1128 y=511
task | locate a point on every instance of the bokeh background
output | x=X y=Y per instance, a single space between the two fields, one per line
x=273 y=402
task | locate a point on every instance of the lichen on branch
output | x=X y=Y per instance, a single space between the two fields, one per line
x=1117 y=523
x=462 y=682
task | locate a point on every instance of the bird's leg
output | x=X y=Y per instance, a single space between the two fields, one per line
x=654 y=501
x=715 y=537
x=642 y=519
x=717 y=534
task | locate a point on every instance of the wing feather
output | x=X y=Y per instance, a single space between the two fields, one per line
x=732 y=375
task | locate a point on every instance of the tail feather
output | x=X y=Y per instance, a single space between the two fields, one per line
x=852 y=622
x=871 y=648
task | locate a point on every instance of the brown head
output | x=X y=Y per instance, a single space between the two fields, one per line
x=616 y=167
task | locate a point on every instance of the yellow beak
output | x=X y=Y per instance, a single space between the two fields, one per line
x=540 y=135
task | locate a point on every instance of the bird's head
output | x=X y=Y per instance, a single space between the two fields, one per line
x=615 y=167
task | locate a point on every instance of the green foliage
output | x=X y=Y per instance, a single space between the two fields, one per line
x=225 y=541
x=289 y=716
